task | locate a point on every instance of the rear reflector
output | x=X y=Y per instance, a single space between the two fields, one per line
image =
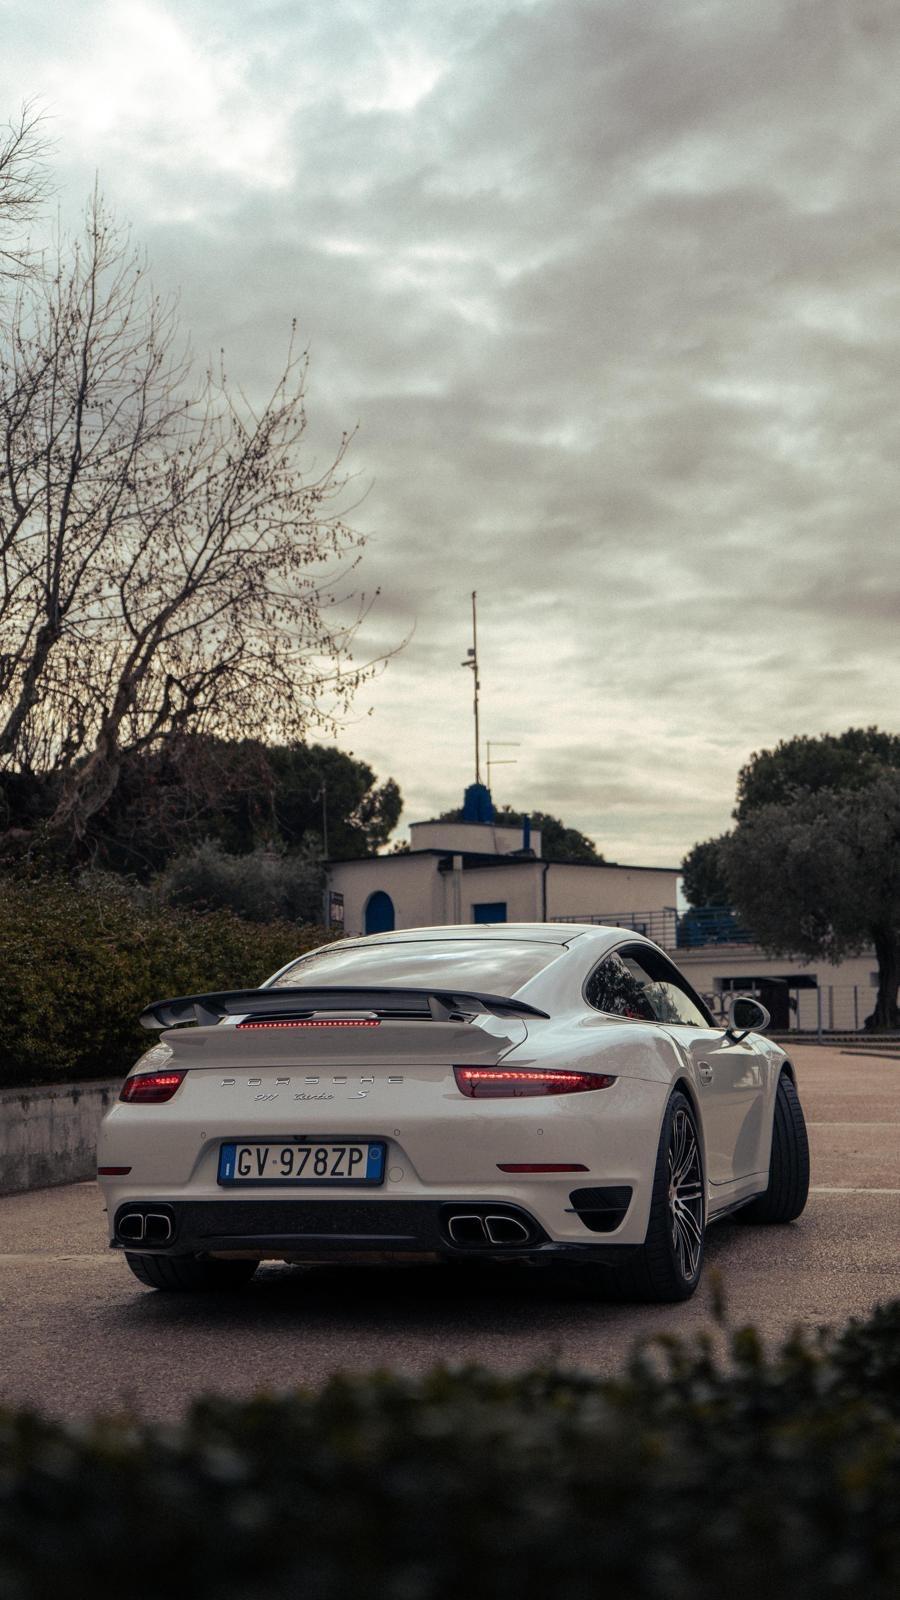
x=494 y=1083
x=113 y=1172
x=316 y=1023
x=541 y=1166
x=151 y=1088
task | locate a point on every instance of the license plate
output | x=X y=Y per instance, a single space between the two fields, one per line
x=268 y=1162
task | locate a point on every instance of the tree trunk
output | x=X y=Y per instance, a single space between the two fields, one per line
x=47 y=636
x=86 y=790
x=887 y=950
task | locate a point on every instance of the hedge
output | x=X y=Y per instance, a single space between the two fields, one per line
x=78 y=963
x=687 y=1478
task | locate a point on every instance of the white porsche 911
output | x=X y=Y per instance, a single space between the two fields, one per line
x=534 y=1091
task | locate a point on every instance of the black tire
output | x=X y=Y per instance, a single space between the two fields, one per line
x=190 y=1273
x=668 y=1265
x=788 y=1188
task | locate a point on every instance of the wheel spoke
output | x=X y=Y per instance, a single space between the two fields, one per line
x=688 y=1238
x=688 y=1222
x=691 y=1190
x=688 y=1158
x=684 y=1248
x=677 y=1157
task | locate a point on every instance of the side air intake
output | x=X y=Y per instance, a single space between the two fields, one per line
x=601 y=1210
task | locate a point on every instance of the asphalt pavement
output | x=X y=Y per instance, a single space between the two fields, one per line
x=79 y=1335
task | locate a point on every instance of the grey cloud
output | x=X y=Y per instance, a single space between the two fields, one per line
x=614 y=306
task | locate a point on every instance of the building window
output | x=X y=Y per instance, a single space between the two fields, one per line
x=379 y=913
x=490 y=911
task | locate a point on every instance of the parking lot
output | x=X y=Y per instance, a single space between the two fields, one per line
x=78 y=1334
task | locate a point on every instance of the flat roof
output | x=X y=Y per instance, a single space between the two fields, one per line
x=477 y=858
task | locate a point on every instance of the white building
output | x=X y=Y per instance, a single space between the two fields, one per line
x=480 y=872
x=477 y=871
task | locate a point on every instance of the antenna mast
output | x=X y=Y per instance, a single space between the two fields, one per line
x=472 y=661
x=501 y=761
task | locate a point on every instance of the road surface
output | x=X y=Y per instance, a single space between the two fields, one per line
x=79 y=1335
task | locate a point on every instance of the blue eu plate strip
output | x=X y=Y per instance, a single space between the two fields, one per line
x=375 y=1163
x=226 y=1161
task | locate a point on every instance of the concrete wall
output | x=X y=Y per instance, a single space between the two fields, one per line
x=49 y=1135
x=483 y=838
x=413 y=883
x=425 y=897
x=580 y=891
x=709 y=968
x=844 y=996
x=517 y=887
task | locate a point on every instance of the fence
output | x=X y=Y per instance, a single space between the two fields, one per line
x=675 y=930
x=827 y=1008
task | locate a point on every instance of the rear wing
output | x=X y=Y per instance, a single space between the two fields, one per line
x=440 y=1005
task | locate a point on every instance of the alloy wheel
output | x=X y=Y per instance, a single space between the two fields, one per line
x=685 y=1194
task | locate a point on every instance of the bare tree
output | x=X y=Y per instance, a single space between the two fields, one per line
x=165 y=565
x=22 y=185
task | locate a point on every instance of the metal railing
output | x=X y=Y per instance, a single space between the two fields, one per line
x=675 y=930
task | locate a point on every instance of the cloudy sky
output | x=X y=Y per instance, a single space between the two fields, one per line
x=611 y=289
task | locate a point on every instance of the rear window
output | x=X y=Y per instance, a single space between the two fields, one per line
x=493 y=966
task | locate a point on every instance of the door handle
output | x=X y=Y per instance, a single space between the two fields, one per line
x=705 y=1072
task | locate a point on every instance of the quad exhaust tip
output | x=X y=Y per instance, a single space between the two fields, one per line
x=472 y=1228
x=147 y=1227
x=506 y=1230
x=467 y=1230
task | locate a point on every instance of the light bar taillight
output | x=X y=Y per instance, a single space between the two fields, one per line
x=151 y=1088
x=495 y=1083
x=316 y=1022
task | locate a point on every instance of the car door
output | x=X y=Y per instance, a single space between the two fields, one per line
x=730 y=1076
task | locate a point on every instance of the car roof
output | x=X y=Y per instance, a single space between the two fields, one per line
x=595 y=936
x=534 y=932
x=592 y=941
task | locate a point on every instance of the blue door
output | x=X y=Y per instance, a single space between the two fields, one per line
x=379 y=913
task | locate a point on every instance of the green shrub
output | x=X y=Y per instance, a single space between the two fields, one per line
x=262 y=886
x=78 y=963
x=684 y=1479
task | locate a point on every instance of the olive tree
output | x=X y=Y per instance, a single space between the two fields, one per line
x=818 y=875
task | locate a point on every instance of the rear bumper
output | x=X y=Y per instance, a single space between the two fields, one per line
x=320 y=1230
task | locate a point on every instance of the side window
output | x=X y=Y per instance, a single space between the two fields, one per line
x=673 y=1005
x=642 y=986
x=664 y=989
x=614 y=988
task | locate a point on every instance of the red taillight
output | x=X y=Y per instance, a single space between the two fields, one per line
x=150 y=1088
x=484 y=1083
x=341 y=1022
x=113 y=1172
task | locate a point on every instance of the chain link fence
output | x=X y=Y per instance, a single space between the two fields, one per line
x=827 y=1008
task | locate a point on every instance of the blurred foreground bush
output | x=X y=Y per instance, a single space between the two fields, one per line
x=79 y=962
x=685 y=1479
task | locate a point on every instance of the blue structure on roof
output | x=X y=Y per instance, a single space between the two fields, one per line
x=477 y=804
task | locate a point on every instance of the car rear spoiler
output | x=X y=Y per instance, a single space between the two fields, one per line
x=441 y=1005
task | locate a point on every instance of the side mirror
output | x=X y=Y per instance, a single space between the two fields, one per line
x=745 y=1015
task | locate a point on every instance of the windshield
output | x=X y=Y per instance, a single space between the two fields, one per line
x=491 y=966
